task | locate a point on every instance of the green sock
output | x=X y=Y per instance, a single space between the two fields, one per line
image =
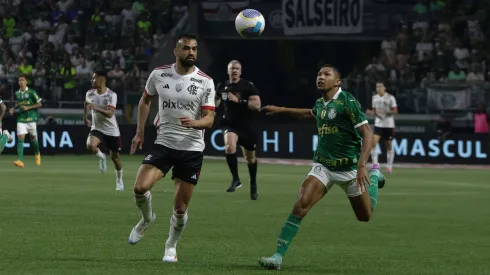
x=372 y=189
x=3 y=141
x=288 y=232
x=35 y=143
x=20 y=149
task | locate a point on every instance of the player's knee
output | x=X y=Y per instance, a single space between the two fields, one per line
x=140 y=188
x=230 y=149
x=92 y=147
x=250 y=159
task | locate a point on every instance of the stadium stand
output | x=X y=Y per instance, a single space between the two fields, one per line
x=60 y=43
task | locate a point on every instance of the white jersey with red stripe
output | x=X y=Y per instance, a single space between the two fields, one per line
x=180 y=96
x=105 y=125
x=383 y=104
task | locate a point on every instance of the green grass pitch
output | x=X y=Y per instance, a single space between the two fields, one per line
x=64 y=217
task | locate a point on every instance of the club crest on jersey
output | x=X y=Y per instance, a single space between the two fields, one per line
x=26 y=96
x=179 y=87
x=331 y=113
x=192 y=89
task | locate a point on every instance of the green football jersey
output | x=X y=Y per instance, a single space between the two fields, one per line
x=28 y=97
x=339 y=143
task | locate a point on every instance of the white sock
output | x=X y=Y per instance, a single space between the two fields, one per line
x=119 y=174
x=144 y=204
x=374 y=156
x=100 y=154
x=177 y=226
x=390 y=156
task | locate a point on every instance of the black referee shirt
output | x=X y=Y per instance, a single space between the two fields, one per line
x=236 y=113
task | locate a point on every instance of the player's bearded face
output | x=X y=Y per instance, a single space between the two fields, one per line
x=187 y=52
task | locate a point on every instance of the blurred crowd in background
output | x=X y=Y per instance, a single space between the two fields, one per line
x=60 y=43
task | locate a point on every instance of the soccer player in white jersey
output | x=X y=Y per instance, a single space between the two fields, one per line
x=384 y=108
x=102 y=102
x=186 y=107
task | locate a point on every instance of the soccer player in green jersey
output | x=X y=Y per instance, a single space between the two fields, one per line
x=4 y=135
x=344 y=145
x=28 y=103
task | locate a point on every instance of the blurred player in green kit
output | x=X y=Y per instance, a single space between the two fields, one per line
x=344 y=146
x=26 y=107
x=4 y=134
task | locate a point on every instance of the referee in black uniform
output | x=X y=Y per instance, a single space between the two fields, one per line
x=241 y=101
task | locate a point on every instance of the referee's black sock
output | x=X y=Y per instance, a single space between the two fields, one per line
x=252 y=170
x=232 y=161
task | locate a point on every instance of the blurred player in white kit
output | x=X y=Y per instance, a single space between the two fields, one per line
x=384 y=107
x=186 y=107
x=102 y=102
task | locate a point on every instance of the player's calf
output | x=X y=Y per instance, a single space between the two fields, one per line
x=311 y=191
x=362 y=207
x=252 y=171
x=119 y=171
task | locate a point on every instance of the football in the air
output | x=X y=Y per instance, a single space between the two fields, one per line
x=249 y=23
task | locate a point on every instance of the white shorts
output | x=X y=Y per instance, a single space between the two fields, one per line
x=27 y=128
x=346 y=180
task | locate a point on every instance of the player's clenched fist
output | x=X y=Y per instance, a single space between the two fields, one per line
x=137 y=142
x=271 y=109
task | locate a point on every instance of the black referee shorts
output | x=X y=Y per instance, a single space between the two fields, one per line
x=247 y=137
x=185 y=165
x=385 y=133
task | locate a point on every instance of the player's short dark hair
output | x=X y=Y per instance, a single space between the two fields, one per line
x=187 y=36
x=23 y=75
x=101 y=73
x=381 y=81
x=337 y=71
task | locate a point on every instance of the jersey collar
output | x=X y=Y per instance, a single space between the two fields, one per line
x=191 y=74
x=27 y=88
x=335 y=96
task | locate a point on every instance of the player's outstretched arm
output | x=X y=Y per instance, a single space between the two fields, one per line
x=295 y=112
